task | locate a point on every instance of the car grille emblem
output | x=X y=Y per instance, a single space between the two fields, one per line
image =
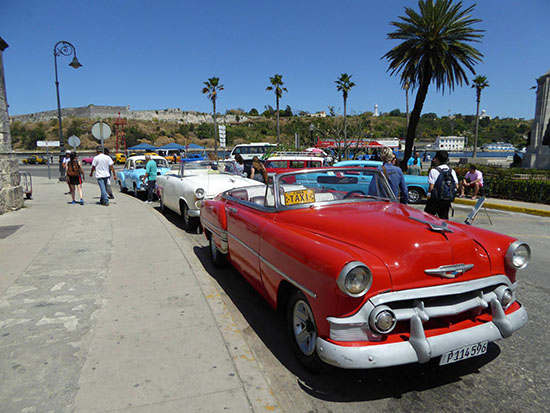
x=449 y=271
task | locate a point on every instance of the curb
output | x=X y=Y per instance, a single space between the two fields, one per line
x=511 y=208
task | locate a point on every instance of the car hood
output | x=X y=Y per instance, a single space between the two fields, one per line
x=408 y=241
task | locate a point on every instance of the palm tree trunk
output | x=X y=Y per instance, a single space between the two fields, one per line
x=215 y=131
x=345 y=132
x=278 y=131
x=477 y=125
x=415 y=117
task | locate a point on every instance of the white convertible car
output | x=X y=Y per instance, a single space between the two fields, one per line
x=183 y=190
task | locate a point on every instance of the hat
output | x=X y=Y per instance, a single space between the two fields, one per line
x=68 y=152
x=99 y=149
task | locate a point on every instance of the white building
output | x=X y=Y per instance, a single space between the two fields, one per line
x=450 y=143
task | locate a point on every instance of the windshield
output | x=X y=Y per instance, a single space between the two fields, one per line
x=208 y=166
x=331 y=185
x=161 y=163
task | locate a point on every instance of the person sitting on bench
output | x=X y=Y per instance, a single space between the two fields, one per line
x=473 y=179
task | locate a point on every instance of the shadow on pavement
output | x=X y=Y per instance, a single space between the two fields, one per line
x=334 y=384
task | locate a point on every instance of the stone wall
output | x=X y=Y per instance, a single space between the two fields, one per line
x=538 y=155
x=105 y=112
x=11 y=193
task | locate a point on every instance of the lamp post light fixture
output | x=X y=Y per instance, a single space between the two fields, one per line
x=66 y=49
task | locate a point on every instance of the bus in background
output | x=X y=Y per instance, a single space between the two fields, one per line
x=249 y=150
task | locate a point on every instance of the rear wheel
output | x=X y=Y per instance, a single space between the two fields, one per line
x=415 y=196
x=302 y=332
x=217 y=257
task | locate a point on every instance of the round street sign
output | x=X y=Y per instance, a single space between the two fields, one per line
x=74 y=141
x=101 y=131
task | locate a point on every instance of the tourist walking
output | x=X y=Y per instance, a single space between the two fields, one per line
x=75 y=176
x=64 y=162
x=394 y=175
x=102 y=165
x=414 y=168
x=150 y=178
x=442 y=188
x=108 y=186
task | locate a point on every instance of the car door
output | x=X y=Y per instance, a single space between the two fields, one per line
x=172 y=191
x=245 y=225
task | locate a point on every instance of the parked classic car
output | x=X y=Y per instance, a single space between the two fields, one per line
x=416 y=184
x=183 y=191
x=35 y=160
x=366 y=281
x=130 y=178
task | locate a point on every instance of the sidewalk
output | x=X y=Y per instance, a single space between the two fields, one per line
x=109 y=309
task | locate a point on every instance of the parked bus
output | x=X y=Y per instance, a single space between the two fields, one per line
x=249 y=150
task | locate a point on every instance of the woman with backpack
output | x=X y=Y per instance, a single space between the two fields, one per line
x=443 y=184
x=75 y=175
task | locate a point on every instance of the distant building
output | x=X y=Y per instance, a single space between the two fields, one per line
x=376 y=110
x=321 y=114
x=450 y=143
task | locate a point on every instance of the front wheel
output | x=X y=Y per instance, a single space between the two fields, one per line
x=302 y=332
x=189 y=223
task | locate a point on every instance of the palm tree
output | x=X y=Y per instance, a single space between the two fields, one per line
x=276 y=83
x=211 y=88
x=435 y=48
x=344 y=85
x=479 y=83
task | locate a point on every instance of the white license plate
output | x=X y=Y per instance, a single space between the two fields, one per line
x=464 y=353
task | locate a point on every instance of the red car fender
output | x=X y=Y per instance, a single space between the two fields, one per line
x=496 y=245
x=315 y=262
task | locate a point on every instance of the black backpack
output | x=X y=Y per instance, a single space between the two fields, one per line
x=444 y=187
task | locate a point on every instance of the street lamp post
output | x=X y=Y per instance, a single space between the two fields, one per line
x=65 y=49
x=311 y=129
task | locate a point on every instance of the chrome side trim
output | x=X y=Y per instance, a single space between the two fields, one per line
x=282 y=274
x=423 y=349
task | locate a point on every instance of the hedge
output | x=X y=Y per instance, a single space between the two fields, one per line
x=527 y=185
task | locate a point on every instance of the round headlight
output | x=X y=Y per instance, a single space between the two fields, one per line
x=382 y=319
x=355 y=279
x=199 y=193
x=518 y=255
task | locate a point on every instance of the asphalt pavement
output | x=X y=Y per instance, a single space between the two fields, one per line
x=110 y=309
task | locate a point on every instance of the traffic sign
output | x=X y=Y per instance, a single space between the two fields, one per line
x=47 y=143
x=74 y=141
x=101 y=131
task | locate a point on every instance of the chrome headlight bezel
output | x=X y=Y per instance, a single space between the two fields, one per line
x=512 y=256
x=199 y=193
x=374 y=318
x=343 y=279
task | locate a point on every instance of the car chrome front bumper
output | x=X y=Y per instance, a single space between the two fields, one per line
x=421 y=349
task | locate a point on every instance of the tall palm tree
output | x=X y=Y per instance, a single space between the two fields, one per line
x=344 y=85
x=435 y=48
x=211 y=89
x=479 y=83
x=276 y=83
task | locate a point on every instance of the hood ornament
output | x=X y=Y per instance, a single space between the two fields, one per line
x=443 y=227
x=449 y=271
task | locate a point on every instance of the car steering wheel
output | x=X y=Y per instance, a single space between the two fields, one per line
x=350 y=193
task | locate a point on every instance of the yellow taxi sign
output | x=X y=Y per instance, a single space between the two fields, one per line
x=303 y=196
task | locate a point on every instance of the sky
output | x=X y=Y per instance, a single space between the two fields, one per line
x=157 y=54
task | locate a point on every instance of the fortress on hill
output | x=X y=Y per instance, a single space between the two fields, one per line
x=106 y=112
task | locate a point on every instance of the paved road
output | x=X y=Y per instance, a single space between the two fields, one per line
x=511 y=377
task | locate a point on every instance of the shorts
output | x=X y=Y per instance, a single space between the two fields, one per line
x=75 y=180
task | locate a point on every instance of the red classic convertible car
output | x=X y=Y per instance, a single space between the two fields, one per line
x=365 y=281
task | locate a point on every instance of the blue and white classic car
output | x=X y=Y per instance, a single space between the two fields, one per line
x=416 y=184
x=131 y=177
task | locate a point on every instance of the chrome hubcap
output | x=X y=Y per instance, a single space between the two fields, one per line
x=304 y=328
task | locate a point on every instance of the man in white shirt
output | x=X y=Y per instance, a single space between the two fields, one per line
x=434 y=206
x=102 y=165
